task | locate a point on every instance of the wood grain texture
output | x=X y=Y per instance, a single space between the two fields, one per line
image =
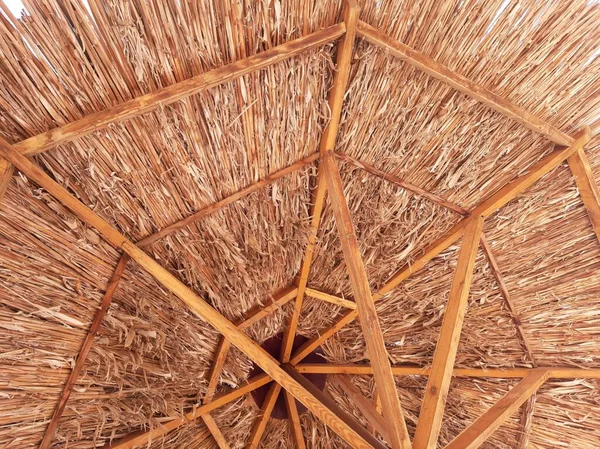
x=178 y=91
x=462 y=84
x=438 y=384
x=480 y=430
x=587 y=187
x=494 y=202
x=408 y=370
x=84 y=351
x=194 y=302
x=365 y=306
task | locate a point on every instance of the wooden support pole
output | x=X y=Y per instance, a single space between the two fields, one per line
x=365 y=406
x=480 y=430
x=392 y=411
x=587 y=187
x=260 y=424
x=494 y=202
x=140 y=438
x=84 y=351
x=294 y=419
x=462 y=84
x=195 y=303
x=438 y=384
x=408 y=370
x=327 y=144
x=178 y=91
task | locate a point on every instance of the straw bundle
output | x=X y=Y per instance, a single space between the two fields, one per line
x=64 y=59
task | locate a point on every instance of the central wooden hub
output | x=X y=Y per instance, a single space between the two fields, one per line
x=273 y=347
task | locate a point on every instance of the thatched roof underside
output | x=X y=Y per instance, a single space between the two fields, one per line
x=61 y=61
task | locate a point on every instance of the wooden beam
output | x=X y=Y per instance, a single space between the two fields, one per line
x=6 y=174
x=260 y=424
x=494 y=202
x=84 y=351
x=365 y=406
x=365 y=306
x=462 y=84
x=216 y=433
x=176 y=92
x=330 y=403
x=212 y=208
x=401 y=183
x=294 y=420
x=409 y=370
x=480 y=430
x=507 y=298
x=330 y=298
x=438 y=384
x=327 y=143
x=526 y=422
x=142 y=437
x=587 y=187
x=194 y=302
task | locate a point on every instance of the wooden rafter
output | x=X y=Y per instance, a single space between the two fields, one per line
x=142 y=437
x=194 y=302
x=588 y=189
x=365 y=306
x=294 y=419
x=178 y=91
x=490 y=205
x=83 y=352
x=327 y=144
x=330 y=298
x=404 y=184
x=330 y=403
x=216 y=433
x=438 y=383
x=260 y=424
x=487 y=250
x=462 y=84
x=480 y=430
x=361 y=403
x=408 y=370
x=6 y=174
x=212 y=208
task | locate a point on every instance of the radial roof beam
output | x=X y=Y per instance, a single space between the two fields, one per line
x=462 y=84
x=194 y=302
x=327 y=144
x=588 y=189
x=83 y=352
x=296 y=426
x=438 y=384
x=365 y=306
x=177 y=91
x=260 y=424
x=494 y=202
x=366 y=408
x=480 y=430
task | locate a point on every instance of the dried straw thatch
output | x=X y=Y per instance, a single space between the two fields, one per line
x=64 y=59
